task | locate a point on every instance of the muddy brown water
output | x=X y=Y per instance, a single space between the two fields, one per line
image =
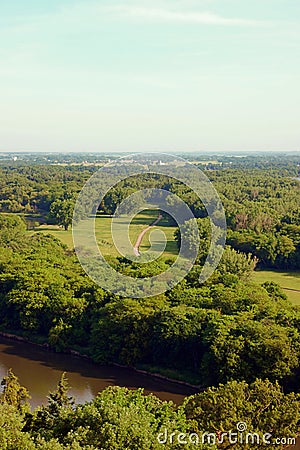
x=39 y=371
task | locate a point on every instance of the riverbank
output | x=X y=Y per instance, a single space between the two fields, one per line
x=155 y=373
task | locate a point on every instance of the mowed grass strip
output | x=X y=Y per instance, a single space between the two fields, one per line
x=289 y=281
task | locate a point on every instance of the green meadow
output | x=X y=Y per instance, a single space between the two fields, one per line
x=289 y=281
x=104 y=237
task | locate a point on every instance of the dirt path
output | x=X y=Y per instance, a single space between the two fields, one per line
x=142 y=234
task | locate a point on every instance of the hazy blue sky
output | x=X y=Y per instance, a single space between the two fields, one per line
x=149 y=75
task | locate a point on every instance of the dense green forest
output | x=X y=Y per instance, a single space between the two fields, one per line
x=228 y=330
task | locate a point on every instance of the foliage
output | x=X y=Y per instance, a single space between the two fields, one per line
x=261 y=406
x=62 y=212
x=13 y=393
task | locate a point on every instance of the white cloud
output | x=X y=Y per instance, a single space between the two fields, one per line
x=89 y=14
x=169 y=15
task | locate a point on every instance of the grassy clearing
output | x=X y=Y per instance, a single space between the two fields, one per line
x=104 y=238
x=289 y=281
x=64 y=236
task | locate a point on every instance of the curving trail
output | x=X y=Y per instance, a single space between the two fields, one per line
x=291 y=290
x=142 y=234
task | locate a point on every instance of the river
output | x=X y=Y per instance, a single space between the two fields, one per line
x=39 y=371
